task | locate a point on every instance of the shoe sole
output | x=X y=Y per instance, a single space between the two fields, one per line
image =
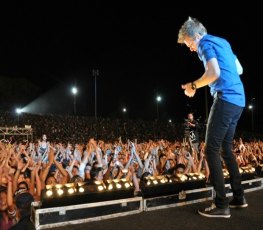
x=238 y=206
x=214 y=216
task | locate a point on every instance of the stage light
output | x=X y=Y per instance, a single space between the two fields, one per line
x=154 y=186
x=49 y=193
x=19 y=110
x=71 y=190
x=60 y=191
x=83 y=192
x=110 y=187
x=158 y=98
x=247 y=173
x=248 y=169
x=127 y=185
x=74 y=90
x=180 y=177
x=58 y=186
x=195 y=176
x=119 y=183
x=151 y=180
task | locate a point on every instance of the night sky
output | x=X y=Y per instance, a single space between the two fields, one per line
x=136 y=53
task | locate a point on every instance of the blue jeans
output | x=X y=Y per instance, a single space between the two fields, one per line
x=221 y=127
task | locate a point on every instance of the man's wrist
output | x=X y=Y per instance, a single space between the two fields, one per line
x=193 y=85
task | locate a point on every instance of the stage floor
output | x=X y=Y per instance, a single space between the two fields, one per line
x=184 y=217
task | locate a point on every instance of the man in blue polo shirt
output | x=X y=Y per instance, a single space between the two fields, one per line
x=222 y=75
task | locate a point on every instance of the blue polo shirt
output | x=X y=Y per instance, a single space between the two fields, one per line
x=229 y=83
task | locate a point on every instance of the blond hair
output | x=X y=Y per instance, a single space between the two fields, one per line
x=190 y=27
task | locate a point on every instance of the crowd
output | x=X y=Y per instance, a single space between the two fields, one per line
x=68 y=128
x=77 y=149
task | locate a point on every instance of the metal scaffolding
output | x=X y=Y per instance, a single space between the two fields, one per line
x=15 y=131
